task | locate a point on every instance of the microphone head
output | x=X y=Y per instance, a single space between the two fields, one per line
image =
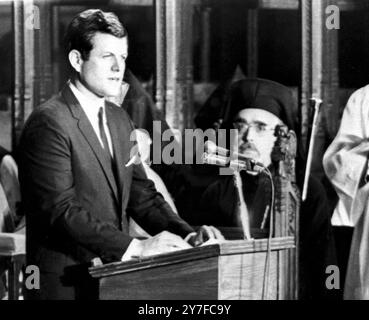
x=214 y=159
x=222 y=157
x=211 y=148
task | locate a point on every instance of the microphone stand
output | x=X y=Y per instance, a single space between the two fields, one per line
x=317 y=103
x=251 y=167
x=231 y=160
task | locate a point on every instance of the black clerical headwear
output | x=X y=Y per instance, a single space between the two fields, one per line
x=248 y=93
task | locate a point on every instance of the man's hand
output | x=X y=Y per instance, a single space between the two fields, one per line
x=162 y=243
x=205 y=233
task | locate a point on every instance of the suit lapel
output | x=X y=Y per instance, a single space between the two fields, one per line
x=89 y=134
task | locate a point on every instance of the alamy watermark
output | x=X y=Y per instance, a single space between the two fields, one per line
x=32 y=17
x=171 y=147
x=333 y=279
x=32 y=277
x=333 y=17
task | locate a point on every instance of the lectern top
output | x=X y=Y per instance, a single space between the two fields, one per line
x=202 y=252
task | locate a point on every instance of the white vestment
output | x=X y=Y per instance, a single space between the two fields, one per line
x=346 y=165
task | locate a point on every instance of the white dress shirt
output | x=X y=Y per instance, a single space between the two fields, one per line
x=91 y=109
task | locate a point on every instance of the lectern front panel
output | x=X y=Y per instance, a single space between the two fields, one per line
x=228 y=270
x=241 y=277
x=187 y=280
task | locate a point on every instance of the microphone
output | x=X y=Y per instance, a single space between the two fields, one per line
x=223 y=157
x=211 y=148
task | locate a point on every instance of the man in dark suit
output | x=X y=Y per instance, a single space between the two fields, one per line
x=78 y=182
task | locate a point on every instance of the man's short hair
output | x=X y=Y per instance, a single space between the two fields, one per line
x=86 y=24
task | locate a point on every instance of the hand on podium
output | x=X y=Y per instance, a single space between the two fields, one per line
x=204 y=234
x=165 y=242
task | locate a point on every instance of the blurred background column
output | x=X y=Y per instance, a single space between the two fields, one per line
x=174 y=81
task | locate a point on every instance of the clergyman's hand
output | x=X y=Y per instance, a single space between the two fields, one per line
x=205 y=233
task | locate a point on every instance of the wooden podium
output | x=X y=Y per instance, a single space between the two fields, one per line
x=230 y=270
x=235 y=269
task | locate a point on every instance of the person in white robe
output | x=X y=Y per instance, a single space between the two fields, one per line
x=346 y=165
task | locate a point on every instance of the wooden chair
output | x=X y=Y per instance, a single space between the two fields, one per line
x=12 y=256
x=12 y=237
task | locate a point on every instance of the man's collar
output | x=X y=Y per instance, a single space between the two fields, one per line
x=83 y=99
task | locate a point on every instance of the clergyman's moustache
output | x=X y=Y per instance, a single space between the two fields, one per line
x=247 y=146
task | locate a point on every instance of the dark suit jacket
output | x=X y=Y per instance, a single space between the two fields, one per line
x=77 y=204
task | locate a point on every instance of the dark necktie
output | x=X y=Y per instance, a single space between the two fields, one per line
x=106 y=146
x=103 y=134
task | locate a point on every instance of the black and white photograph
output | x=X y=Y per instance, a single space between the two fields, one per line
x=184 y=150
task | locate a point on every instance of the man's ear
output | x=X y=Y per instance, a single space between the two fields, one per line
x=75 y=59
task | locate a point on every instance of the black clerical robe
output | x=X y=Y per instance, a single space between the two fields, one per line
x=218 y=207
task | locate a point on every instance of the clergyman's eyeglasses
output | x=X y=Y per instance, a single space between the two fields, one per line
x=243 y=126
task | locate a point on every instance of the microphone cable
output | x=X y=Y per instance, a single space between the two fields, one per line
x=242 y=165
x=269 y=243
